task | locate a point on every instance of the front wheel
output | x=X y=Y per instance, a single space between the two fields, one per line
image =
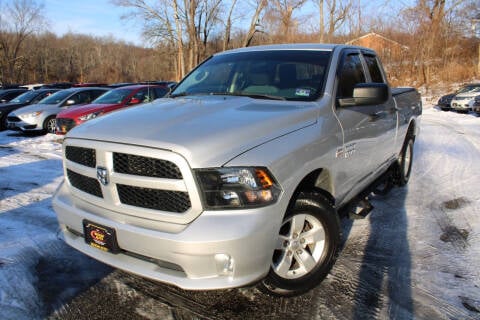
x=49 y=126
x=306 y=249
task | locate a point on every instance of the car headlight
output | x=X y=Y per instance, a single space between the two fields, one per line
x=90 y=116
x=30 y=115
x=237 y=187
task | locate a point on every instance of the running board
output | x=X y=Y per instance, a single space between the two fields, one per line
x=360 y=209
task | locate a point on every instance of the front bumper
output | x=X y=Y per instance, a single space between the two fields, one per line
x=63 y=125
x=219 y=249
x=461 y=105
x=21 y=125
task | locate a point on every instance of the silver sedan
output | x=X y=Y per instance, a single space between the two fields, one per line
x=41 y=117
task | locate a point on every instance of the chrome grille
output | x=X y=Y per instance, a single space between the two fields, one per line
x=83 y=156
x=145 y=166
x=143 y=183
x=172 y=201
x=85 y=184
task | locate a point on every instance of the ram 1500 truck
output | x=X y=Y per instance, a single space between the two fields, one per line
x=238 y=177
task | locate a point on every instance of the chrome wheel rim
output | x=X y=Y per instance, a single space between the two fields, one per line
x=300 y=246
x=51 y=126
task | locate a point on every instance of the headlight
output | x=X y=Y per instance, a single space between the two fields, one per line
x=30 y=115
x=237 y=187
x=90 y=116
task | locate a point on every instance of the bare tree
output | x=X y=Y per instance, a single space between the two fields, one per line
x=19 y=19
x=254 y=22
x=228 y=26
x=337 y=13
x=284 y=9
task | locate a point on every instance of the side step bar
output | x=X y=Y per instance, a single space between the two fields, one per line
x=360 y=209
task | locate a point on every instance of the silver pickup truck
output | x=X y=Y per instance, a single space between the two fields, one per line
x=240 y=175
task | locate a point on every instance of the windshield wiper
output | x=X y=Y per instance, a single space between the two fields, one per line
x=250 y=95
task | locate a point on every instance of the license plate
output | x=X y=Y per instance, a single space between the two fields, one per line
x=100 y=237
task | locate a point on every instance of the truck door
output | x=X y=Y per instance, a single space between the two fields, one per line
x=383 y=119
x=356 y=157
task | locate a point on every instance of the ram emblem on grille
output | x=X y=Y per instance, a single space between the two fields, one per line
x=102 y=175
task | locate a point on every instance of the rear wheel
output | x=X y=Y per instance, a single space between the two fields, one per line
x=306 y=249
x=405 y=162
x=49 y=125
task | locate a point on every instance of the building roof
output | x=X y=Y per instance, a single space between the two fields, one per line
x=376 y=35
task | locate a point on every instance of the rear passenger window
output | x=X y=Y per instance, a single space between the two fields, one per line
x=351 y=73
x=374 y=69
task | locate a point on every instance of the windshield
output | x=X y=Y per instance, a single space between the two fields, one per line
x=114 y=96
x=56 y=98
x=469 y=89
x=282 y=74
x=25 y=97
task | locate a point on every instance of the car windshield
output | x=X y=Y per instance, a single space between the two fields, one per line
x=56 y=98
x=469 y=89
x=25 y=97
x=276 y=74
x=113 y=96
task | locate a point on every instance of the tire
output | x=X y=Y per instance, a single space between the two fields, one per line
x=405 y=163
x=307 y=247
x=49 y=125
x=3 y=123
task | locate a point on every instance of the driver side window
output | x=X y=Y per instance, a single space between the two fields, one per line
x=351 y=73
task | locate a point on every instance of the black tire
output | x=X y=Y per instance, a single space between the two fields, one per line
x=3 y=123
x=300 y=263
x=49 y=125
x=405 y=161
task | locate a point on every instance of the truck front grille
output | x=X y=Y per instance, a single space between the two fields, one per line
x=86 y=184
x=138 y=182
x=83 y=156
x=156 y=199
x=145 y=166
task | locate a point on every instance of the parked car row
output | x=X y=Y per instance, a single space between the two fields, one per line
x=465 y=99
x=51 y=110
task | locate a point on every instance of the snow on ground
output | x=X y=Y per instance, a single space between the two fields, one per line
x=416 y=256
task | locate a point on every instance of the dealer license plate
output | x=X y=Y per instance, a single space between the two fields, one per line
x=100 y=237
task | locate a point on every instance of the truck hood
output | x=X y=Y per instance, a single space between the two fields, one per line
x=208 y=131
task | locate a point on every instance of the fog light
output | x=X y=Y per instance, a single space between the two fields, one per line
x=224 y=264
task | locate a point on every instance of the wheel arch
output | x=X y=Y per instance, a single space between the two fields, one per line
x=317 y=181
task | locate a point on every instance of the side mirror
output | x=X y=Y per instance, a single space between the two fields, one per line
x=134 y=101
x=70 y=102
x=367 y=94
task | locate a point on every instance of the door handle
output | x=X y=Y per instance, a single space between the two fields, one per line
x=377 y=115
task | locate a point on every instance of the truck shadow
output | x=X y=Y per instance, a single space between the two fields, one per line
x=384 y=277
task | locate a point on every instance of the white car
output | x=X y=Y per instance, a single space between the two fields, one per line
x=462 y=100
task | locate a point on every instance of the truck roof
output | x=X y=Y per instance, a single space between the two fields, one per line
x=295 y=46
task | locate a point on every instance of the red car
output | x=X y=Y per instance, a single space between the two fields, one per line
x=108 y=102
